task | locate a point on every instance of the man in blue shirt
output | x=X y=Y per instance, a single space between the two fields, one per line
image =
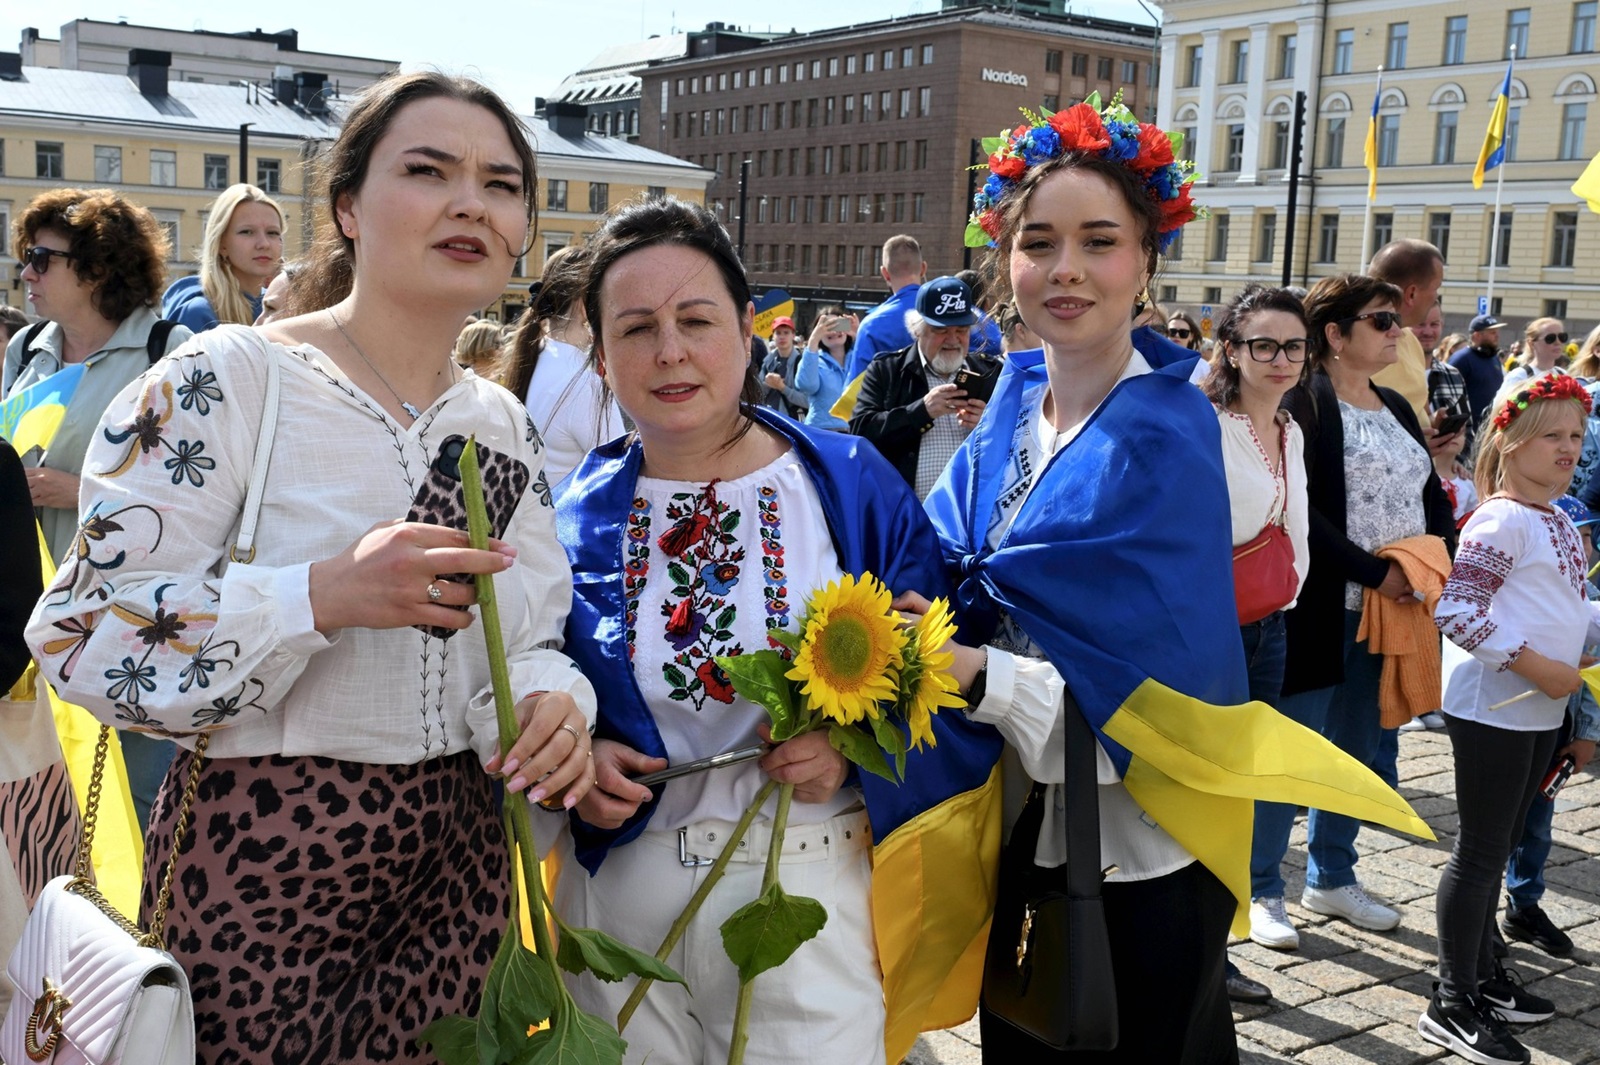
x=884 y=328
x=1480 y=364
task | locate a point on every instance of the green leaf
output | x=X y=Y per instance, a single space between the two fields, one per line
x=674 y=676
x=791 y=640
x=731 y=522
x=892 y=739
x=759 y=677
x=453 y=1040
x=975 y=237
x=520 y=992
x=860 y=749
x=573 y=1038
x=762 y=934
x=590 y=949
x=990 y=145
x=1175 y=137
x=679 y=573
x=1093 y=100
x=726 y=617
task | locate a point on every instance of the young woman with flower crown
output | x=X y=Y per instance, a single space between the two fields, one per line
x=1087 y=519
x=697 y=536
x=1515 y=603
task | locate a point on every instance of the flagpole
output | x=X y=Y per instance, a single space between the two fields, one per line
x=1499 y=187
x=1366 y=218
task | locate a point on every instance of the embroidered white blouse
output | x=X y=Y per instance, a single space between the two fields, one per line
x=710 y=571
x=1256 y=495
x=1517 y=583
x=149 y=628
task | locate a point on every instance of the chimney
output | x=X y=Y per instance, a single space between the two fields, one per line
x=565 y=119
x=283 y=84
x=148 y=69
x=10 y=66
x=308 y=91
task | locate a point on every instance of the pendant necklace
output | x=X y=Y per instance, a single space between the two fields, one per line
x=348 y=339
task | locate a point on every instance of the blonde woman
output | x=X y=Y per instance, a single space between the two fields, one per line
x=1545 y=345
x=478 y=349
x=241 y=252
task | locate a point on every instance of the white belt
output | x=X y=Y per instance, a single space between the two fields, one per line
x=701 y=842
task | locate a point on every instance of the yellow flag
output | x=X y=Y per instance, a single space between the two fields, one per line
x=1587 y=186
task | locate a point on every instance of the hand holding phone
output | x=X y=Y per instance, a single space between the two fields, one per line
x=975 y=384
x=1557 y=777
x=1451 y=424
x=700 y=765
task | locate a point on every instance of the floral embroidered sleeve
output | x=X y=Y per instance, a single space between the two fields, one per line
x=141 y=625
x=1490 y=546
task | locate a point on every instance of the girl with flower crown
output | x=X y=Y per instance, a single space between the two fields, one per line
x=1515 y=604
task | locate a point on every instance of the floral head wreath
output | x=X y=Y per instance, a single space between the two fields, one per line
x=1112 y=133
x=1551 y=386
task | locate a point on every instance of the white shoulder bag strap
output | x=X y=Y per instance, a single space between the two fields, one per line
x=243 y=550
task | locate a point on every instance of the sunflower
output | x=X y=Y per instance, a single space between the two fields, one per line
x=927 y=686
x=851 y=649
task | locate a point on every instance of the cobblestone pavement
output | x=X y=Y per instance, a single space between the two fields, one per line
x=1349 y=995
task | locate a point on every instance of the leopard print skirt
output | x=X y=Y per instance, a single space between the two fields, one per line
x=329 y=910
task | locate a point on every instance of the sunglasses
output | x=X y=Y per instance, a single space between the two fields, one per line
x=1179 y=334
x=38 y=257
x=1265 y=349
x=1554 y=338
x=1384 y=320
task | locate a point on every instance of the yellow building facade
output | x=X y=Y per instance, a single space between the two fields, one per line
x=1230 y=71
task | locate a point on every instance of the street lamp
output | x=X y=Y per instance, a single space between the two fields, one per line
x=1155 y=56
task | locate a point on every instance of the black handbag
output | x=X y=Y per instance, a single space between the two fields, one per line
x=1047 y=972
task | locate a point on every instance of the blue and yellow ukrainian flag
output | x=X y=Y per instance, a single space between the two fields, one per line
x=1493 y=152
x=32 y=415
x=1587 y=187
x=1370 y=156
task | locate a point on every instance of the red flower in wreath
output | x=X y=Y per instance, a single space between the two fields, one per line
x=1010 y=167
x=1155 y=149
x=1081 y=129
x=1177 y=211
x=716 y=681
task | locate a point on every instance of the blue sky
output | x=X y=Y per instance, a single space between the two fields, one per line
x=523 y=50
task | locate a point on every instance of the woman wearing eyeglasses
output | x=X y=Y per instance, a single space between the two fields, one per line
x=1544 y=344
x=1370 y=483
x=1184 y=330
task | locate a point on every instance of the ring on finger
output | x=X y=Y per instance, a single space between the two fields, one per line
x=435 y=593
x=576 y=736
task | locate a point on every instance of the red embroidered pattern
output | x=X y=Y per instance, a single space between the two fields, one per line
x=1477 y=575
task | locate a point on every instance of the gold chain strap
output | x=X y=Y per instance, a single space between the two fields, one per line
x=82 y=882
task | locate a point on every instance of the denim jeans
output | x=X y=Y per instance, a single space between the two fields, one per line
x=1525 y=869
x=146 y=758
x=1347 y=716
x=1386 y=763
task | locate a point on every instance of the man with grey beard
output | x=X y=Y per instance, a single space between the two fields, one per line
x=911 y=406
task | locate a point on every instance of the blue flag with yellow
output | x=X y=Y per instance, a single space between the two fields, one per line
x=1493 y=152
x=1118 y=566
x=1369 y=155
x=32 y=415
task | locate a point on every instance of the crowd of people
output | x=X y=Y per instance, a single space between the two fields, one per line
x=1341 y=488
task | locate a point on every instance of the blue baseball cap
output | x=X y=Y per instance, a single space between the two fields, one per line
x=946 y=301
x=1573 y=507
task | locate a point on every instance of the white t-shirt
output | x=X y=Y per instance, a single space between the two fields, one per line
x=569 y=405
x=1256 y=494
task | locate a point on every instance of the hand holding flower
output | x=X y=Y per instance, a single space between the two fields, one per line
x=551 y=752
x=808 y=762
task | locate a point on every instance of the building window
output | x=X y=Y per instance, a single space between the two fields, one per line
x=1333 y=143
x=1517 y=31
x=905 y=103
x=1175 y=249
x=1196 y=65
x=917 y=200
x=1513 y=127
x=862 y=158
x=655 y=192
x=1235 y=148
x=1344 y=46
x=783 y=73
x=1382 y=228
x=1280 y=145
x=1439 y=232
x=888 y=59
x=1395 y=54
x=1388 y=139
x=850 y=64
x=827 y=209
x=1169 y=293
x=1455 y=40
x=838 y=259
x=1187 y=151
x=827 y=111
x=866 y=107
x=47 y=159
x=761 y=214
x=919 y=156
x=811 y=161
x=860 y=260
x=1574 y=117
x=827 y=159
x=1563 y=238
x=1583 y=19
x=168 y=221
x=901 y=156
x=268 y=175
x=1444 y=137
x=1052 y=102
x=1267 y=238
x=1286 y=50
x=1241 y=61
x=869 y=62
x=899 y=207
x=1219 y=237
x=1102 y=68
x=107 y=164
x=883 y=156
x=555 y=194
x=925 y=101
x=216 y=172
x=1503 y=250
x=1555 y=308
x=1328 y=239
x=788 y=258
x=885 y=103
x=880 y=207
x=163 y=167
x=794 y=209
x=927 y=54
x=1080 y=64
x=810 y=210
x=811 y=113
x=844 y=210
x=849 y=114
x=1130 y=72
x=1211 y=294
x=1052 y=62
x=599 y=197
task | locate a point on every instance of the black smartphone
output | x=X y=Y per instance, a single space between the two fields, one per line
x=1452 y=424
x=977 y=385
x=700 y=765
x=442 y=501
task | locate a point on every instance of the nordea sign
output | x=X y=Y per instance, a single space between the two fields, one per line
x=1005 y=77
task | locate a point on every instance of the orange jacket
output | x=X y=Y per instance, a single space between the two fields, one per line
x=1404 y=633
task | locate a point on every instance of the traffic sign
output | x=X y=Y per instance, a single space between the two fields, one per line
x=1205 y=320
x=1483 y=304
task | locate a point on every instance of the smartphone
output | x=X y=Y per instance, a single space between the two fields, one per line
x=977 y=385
x=700 y=765
x=1452 y=424
x=1557 y=777
x=441 y=500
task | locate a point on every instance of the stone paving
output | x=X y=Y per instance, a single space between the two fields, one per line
x=1349 y=995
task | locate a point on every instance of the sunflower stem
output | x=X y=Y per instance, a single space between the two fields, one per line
x=681 y=925
x=741 y=1015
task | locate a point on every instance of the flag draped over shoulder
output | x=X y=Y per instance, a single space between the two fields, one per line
x=1370 y=155
x=1118 y=566
x=1493 y=152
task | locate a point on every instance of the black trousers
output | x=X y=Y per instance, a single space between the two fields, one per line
x=1168 y=942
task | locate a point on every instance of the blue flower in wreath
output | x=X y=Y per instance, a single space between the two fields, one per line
x=1043 y=143
x=198 y=391
x=1124 y=140
x=187 y=462
x=129 y=680
x=720 y=577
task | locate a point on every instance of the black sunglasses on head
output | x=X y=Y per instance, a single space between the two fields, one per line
x=1384 y=320
x=38 y=257
x=1554 y=338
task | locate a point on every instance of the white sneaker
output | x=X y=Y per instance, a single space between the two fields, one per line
x=1269 y=924
x=1353 y=904
x=1433 y=719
